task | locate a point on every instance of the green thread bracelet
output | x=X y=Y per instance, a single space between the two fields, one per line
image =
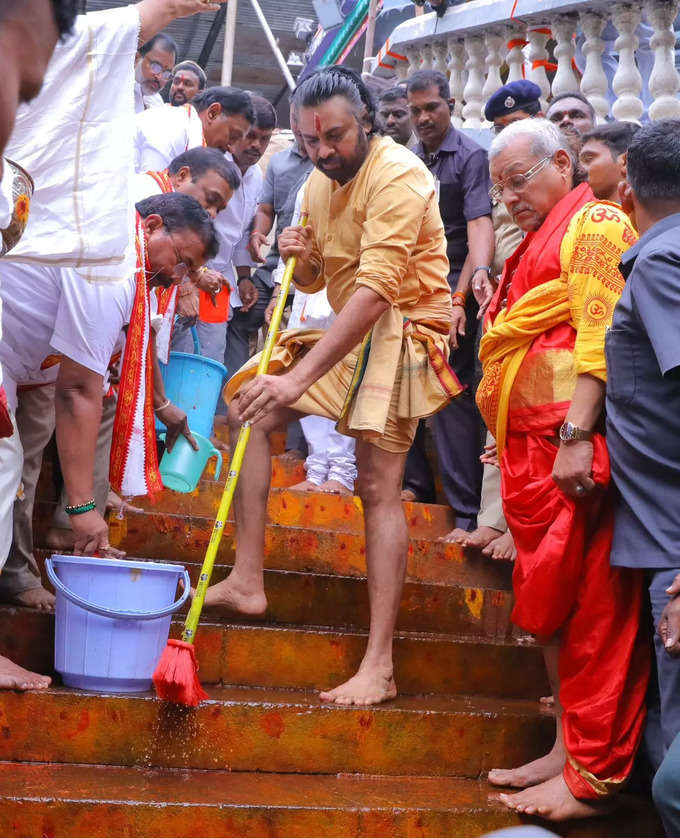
x=81 y=508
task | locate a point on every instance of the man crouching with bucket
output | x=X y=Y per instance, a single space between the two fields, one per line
x=375 y=240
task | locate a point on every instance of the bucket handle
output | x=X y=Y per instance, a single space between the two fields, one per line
x=109 y=612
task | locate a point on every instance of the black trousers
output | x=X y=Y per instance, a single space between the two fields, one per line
x=458 y=437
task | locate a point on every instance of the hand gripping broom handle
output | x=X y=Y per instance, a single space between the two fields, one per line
x=194 y=615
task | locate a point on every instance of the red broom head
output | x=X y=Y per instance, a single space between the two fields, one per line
x=175 y=677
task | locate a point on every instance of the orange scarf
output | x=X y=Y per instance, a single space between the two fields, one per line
x=134 y=460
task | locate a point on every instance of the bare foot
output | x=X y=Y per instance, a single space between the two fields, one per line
x=547 y=700
x=292 y=455
x=456 y=536
x=368 y=686
x=481 y=537
x=334 y=487
x=532 y=773
x=409 y=496
x=36 y=598
x=13 y=677
x=119 y=506
x=501 y=548
x=305 y=486
x=229 y=594
x=553 y=800
x=60 y=539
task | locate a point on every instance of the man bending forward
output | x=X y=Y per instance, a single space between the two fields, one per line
x=375 y=240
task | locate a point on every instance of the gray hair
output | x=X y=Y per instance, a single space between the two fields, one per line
x=547 y=139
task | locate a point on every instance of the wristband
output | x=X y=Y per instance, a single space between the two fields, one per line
x=80 y=508
x=457 y=302
x=485 y=268
x=162 y=407
x=458 y=295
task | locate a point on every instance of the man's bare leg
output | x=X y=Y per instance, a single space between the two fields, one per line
x=379 y=487
x=15 y=677
x=552 y=763
x=243 y=589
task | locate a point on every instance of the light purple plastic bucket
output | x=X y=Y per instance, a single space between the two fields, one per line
x=112 y=620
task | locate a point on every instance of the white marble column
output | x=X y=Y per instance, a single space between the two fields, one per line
x=427 y=57
x=441 y=52
x=414 y=58
x=516 y=40
x=457 y=78
x=663 y=82
x=594 y=84
x=493 y=41
x=564 y=27
x=472 y=94
x=403 y=68
x=538 y=38
x=627 y=82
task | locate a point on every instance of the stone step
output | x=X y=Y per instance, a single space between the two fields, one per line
x=246 y=729
x=71 y=801
x=285 y=472
x=302 y=509
x=315 y=550
x=315 y=659
x=341 y=602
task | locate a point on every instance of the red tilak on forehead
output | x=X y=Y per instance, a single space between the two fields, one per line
x=317 y=123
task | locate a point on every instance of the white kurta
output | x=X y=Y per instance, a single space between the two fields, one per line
x=75 y=139
x=160 y=134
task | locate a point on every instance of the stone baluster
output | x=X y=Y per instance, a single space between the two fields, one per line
x=663 y=82
x=441 y=52
x=627 y=82
x=472 y=93
x=427 y=57
x=494 y=60
x=413 y=56
x=402 y=68
x=456 y=67
x=565 y=81
x=538 y=57
x=515 y=58
x=594 y=84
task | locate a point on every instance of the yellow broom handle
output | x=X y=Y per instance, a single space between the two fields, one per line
x=194 y=615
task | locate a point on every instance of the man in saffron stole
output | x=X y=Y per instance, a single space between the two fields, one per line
x=544 y=365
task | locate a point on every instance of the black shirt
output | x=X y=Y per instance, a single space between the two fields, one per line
x=461 y=169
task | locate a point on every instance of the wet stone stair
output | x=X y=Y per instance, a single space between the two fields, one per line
x=262 y=757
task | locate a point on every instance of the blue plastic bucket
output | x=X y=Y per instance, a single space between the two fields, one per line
x=112 y=620
x=194 y=384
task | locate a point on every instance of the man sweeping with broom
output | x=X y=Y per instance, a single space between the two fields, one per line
x=375 y=239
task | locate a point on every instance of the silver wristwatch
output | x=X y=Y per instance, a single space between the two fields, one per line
x=572 y=433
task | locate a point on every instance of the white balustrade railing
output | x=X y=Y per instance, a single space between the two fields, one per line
x=620 y=55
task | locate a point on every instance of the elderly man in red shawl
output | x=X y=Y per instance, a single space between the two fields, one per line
x=542 y=397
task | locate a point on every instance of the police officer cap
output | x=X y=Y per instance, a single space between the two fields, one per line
x=515 y=96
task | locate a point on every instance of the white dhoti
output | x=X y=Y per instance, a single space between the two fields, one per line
x=11 y=466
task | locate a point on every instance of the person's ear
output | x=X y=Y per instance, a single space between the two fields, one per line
x=214 y=111
x=152 y=223
x=626 y=199
x=183 y=175
x=563 y=161
x=622 y=161
x=452 y=105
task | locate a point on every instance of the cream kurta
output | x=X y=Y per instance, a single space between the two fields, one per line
x=383 y=231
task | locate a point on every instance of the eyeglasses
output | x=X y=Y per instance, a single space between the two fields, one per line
x=517 y=182
x=158 y=70
x=181 y=270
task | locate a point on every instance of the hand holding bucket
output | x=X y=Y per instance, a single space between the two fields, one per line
x=182 y=468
